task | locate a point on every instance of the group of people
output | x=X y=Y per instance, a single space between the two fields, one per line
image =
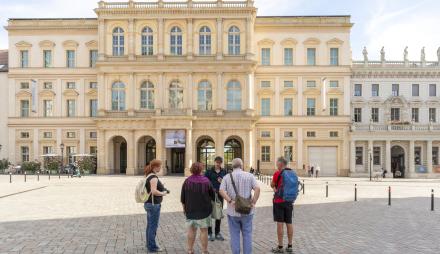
x=313 y=171
x=203 y=195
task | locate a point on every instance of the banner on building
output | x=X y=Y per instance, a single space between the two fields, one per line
x=175 y=139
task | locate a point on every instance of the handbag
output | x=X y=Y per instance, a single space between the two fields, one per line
x=217 y=208
x=242 y=205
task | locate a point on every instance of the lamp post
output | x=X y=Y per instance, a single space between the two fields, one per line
x=370 y=153
x=62 y=157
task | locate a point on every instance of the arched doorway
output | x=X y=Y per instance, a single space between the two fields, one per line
x=146 y=151
x=232 y=149
x=119 y=155
x=398 y=161
x=206 y=152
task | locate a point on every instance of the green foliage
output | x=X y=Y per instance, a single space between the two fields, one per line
x=4 y=164
x=53 y=164
x=87 y=164
x=30 y=166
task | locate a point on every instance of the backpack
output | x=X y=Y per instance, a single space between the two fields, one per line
x=141 y=194
x=242 y=205
x=289 y=190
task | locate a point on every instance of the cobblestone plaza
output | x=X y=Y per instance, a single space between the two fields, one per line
x=99 y=215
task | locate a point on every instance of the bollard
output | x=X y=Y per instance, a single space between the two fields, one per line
x=10 y=177
x=389 y=195
x=38 y=176
x=355 y=193
x=304 y=187
x=432 y=200
x=49 y=175
x=326 y=189
x=24 y=176
x=59 y=174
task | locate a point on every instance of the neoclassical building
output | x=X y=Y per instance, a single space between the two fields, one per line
x=395 y=114
x=181 y=82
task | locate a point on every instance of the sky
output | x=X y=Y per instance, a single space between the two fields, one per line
x=393 y=24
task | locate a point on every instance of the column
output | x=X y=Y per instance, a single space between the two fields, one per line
x=130 y=98
x=161 y=34
x=81 y=98
x=188 y=151
x=388 y=158
x=219 y=38
x=159 y=151
x=189 y=100
x=299 y=88
x=429 y=155
x=347 y=96
x=249 y=37
x=101 y=40
x=299 y=148
x=251 y=91
x=131 y=47
x=412 y=168
x=161 y=90
x=277 y=143
x=252 y=159
x=58 y=98
x=277 y=100
x=101 y=153
x=370 y=153
x=101 y=95
x=130 y=153
x=352 y=157
x=219 y=143
x=82 y=141
x=36 y=144
x=189 y=45
x=220 y=91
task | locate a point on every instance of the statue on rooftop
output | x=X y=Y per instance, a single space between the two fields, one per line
x=365 y=53
x=438 y=54
x=382 y=54
x=422 y=55
x=405 y=54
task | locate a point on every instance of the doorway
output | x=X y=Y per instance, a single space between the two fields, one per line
x=177 y=160
x=398 y=162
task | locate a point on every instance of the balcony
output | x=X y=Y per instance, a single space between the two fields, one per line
x=189 y=4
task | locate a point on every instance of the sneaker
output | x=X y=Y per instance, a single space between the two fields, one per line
x=289 y=250
x=158 y=250
x=219 y=237
x=211 y=238
x=277 y=250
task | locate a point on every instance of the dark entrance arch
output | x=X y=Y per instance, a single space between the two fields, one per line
x=233 y=149
x=120 y=155
x=398 y=161
x=206 y=152
x=150 y=151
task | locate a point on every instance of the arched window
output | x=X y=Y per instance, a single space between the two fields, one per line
x=205 y=41
x=206 y=152
x=233 y=95
x=204 y=98
x=234 y=41
x=176 y=95
x=147 y=41
x=147 y=95
x=232 y=150
x=118 y=41
x=118 y=96
x=176 y=41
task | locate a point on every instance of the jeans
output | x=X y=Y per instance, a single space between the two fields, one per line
x=241 y=225
x=153 y=214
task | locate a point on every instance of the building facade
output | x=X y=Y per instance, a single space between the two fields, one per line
x=181 y=82
x=395 y=114
x=4 y=103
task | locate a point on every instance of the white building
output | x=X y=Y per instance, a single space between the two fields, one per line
x=4 y=104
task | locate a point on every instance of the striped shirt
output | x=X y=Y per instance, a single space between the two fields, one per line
x=245 y=183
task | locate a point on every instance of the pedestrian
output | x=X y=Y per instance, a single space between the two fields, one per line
x=309 y=172
x=236 y=188
x=312 y=171
x=153 y=204
x=196 y=197
x=317 y=170
x=285 y=186
x=215 y=175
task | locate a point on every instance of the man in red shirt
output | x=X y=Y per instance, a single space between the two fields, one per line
x=282 y=210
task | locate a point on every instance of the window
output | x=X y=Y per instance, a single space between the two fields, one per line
x=24 y=85
x=265 y=56
x=70 y=85
x=375 y=90
x=265 y=153
x=71 y=108
x=24 y=58
x=205 y=41
x=47 y=108
x=204 y=97
x=334 y=134
x=71 y=134
x=24 y=108
x=375 y=115
x=265 y=84
x=93 y=108
x=415 y=90
x=176 y=41
x=334 y=84
x=47 y=85
x=288 y=134
x=118 y=96
x=47 y=134
x=265 y=107
x=93 y=135
x=288 y=106
x=395 y=114
x=93 y=85
x=418 y=155
x=415 y=115
x=288 y=83
x=233 y=95
x=311 y=83
x=357 y=115
x=288 y=56
x=265 y=134
x=24 y=134
x=234 y=41
x=432 y=115
x=118 y=41
x=47 y=58
x=70 y=151
x=147 y=41
x=288 y=153
x=311 y=56
x=147 y=95
x=93 y=150
x=432 y=90
x=70 y=58
x=311 y=134
x=395 y=90
x=333 y=107
x=93 y=58
x=47 y=149
x=311 y=104
x=334 y=56
x=176 y=95
x=435 y=156
x=24 y=153
x=376 y=156
x=359 y=156
x=358 y=90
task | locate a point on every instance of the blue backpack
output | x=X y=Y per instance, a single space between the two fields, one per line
x=289 y=190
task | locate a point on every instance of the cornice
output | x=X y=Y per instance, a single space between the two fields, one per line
x=396 y=73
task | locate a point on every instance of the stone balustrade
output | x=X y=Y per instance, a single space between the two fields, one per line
x=393 y=128
x=200 y=4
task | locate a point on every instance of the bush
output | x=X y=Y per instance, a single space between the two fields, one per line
x=30 y=166
x=4 y=164
x=53 y=164
x=87 y=164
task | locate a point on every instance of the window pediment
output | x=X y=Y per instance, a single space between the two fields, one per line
x=47 y=93
x=92 y=92
x=70 y=44
x=92 y=44
x=335 y=41
x=289 y=91
x=266 y=91
x=70 y=93
x=335 y=91
x=289 y=42
x=24 y=94
x=266 y=42
x=46 y=44
x=23 y=44
x=396 y=101
x=312 y=91
x=312 y=41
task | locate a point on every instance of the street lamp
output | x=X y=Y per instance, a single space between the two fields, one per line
x=62 y=156
x=370 y=154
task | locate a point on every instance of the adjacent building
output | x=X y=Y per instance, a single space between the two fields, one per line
x=4 y=103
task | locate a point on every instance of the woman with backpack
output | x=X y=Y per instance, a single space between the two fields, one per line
x=157 y=191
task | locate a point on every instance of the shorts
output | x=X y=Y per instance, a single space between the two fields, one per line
x=202 y=223
x=283 y=212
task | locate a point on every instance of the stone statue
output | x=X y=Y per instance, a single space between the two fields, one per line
x=365 y=53
x=405 y=54
x=382 y=54
x=422 y=55
x=438 y=54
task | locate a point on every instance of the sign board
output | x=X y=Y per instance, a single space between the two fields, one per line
x=175 y=139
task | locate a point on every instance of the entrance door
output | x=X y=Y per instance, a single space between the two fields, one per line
x=177 y=160
x=326 y=158
x=398 y=162
x=123 y=158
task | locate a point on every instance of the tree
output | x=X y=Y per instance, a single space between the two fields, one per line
x=30 y=166
x=87 y=164
x=53 y=164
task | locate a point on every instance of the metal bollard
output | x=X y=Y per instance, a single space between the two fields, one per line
x=326 y=189
x=432 y=200
x=389 y=195
x=59 y=174
x=38 y=176
x=49 y=175
x=304 y=187
x=25 y=176
x=355 y=193
x=10 y=177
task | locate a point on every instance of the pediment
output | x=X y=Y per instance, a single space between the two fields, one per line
x=396 y=100
x=24 y=94
x=289 y=91
x=70 y=93
x=92 y=44
x=267 y=42
x=289 y=42
x=23 y=44
x=312 y=91
x=266 y=91
x=47 y=93
x=335 y=41
x=70 y=43
x=335 y=91
x=358 y=100
x=92 y=92
x=46 y=44
x=312 y=41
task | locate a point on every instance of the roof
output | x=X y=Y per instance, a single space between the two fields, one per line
x=3 y=60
